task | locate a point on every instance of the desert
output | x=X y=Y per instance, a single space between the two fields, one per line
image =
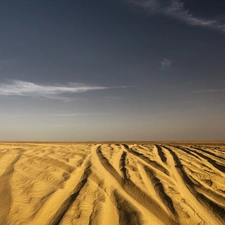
x=112 y=183
x=112 y=112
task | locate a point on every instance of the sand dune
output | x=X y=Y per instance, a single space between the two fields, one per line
x=94 y=184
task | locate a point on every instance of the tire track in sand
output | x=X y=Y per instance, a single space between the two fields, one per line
x=186 y=188
x=144 y=204
x=58 y=203
x=7 y=163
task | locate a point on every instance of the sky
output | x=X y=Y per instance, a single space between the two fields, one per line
x=115 y=70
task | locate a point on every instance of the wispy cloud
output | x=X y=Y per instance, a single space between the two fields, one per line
x=165 y=63
x=177 y=10
x=114 y=97
x=55 y=115
x=76 y=114
x=4 y=62
x=209 y=90
x=24 y=88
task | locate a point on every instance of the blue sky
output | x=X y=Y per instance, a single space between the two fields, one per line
x=82 y=70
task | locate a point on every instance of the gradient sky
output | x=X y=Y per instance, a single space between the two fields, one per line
x=84 y=70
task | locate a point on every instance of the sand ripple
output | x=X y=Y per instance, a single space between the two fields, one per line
x=93 y=184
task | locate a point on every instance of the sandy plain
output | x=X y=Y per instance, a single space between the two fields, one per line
x=110 y=184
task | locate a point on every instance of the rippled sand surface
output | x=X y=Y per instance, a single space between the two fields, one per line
x=110 y=184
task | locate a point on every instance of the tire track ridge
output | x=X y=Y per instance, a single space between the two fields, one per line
x=5 y=179
x=107 y=165
x=127 y=212
x=147 y=160
x=161 y=154
x=208 y=152
x=221 y=168
x=123 y=165
x=135 y=192
x=69 y=201
x=59 y=202
x=159 y=189
x=209 y=205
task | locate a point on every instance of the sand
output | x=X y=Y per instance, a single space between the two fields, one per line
x=94 y=184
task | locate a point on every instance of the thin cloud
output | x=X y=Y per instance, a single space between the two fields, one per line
x=24 y=88
x=165 y=63
x=55 y=115
x=176 y=9
x=76 y=115
x=209 y=90
x=5 y=62
x=114 y=97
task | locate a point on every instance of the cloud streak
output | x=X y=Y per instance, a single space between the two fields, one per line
x=76 y=114
x=55 y=115
x=24 y=88
x=165 y=64
x=176 y=9
x=209 y=91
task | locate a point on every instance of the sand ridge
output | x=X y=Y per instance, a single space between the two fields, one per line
x=112 y=183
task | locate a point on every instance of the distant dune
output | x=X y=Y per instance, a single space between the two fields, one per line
x=111 y=183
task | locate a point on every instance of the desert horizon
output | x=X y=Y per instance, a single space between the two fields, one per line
x=188 y=142
x=112 y=183
x=112 y=112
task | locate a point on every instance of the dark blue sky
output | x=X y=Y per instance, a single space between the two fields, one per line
x=112 y=70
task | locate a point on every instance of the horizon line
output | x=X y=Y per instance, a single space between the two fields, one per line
x=125 y=141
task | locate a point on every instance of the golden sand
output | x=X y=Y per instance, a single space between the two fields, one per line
x=110 y=184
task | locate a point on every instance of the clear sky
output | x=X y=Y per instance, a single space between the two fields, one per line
x=84 y=70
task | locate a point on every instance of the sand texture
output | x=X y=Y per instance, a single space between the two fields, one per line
x=110 y=184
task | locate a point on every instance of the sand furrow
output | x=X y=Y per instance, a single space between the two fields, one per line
x=159 y=189
x=209 y=152
x=7 y=163
x=154 y=164
x=57 y=204
x=112 y=184
x=210 y=160
x=187 y=190
x=123 y=165
x=135 y=192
